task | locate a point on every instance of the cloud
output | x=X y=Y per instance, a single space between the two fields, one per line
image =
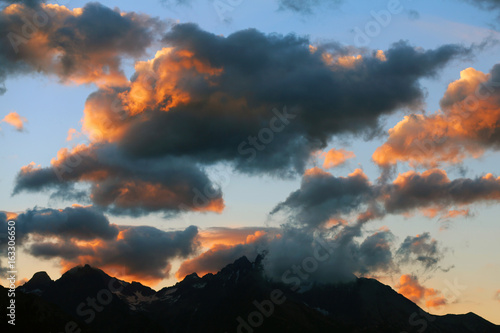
x=84 y=223
x=83 y=235
x=287 y=247
x=413 y=15
x=324 y=198
x=497 y=295
x=316 y=92
x=203 y=81
x=466 y=127
x=485 y=4
x=297 y=6
x=304 y=6
x=336 y=157
x=220 y=254
x=410 y=288
x=28 y=3
x=343 y=252
x=261 y=103
x=432 y=189
x=83 y=45
x=231 y=236
x=123 y=185
x=15 y=120
x=422 y=249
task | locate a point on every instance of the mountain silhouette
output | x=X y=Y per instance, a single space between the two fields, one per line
x=239 y=298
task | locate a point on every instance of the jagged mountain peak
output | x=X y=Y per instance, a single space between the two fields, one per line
x=38 y=283
x=221 y=302
x=39 y=277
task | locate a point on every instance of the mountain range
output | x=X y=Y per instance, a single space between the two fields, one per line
x=239 y=298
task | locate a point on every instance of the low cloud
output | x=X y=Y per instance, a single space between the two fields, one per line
x=221 y=254
x=421 y=249
x=83 y=235
x=410 y=288
x=349 y=251
x=124 y=186
x=84 y=223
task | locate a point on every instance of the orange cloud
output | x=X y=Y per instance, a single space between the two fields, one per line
x=348 y=61
x=9 y=215
x=155 y=196
x=21 y=282
x=334 y=157
x=380 y=55
x=156 y=85
x=14 y=119
x=88 y=55
x=219 y=255
x=119 y=184
x=456 y=213
x=229 y=236
x=465 y=128
x=123 y=255
x=73 y=134
x=410 y=288
x=315 y=172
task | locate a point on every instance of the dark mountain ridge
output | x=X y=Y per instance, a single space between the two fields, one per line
x=237 y=299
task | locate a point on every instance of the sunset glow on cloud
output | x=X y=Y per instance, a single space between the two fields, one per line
x=334 y=158
x=464 y=128
x=165 y=140
x=413 y=290
x=15 y=120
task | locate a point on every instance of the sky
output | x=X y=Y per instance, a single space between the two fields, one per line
x=161 y=138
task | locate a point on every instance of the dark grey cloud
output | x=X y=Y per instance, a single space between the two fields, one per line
x=64 y=249
x=413 y=14
x=305 y=6
x=422 y=249
x=485 y=4
x=85 y=48
x=84 y=235
x=142 y=251
x=343 y=252
x=72 y=223
x=126 y=186
x=433 y=188
x=273 y=71
x=30 y=3
x=323 y=196
x=375 y=252
x=261 y=103
x=84 y=223
x=297 y=6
